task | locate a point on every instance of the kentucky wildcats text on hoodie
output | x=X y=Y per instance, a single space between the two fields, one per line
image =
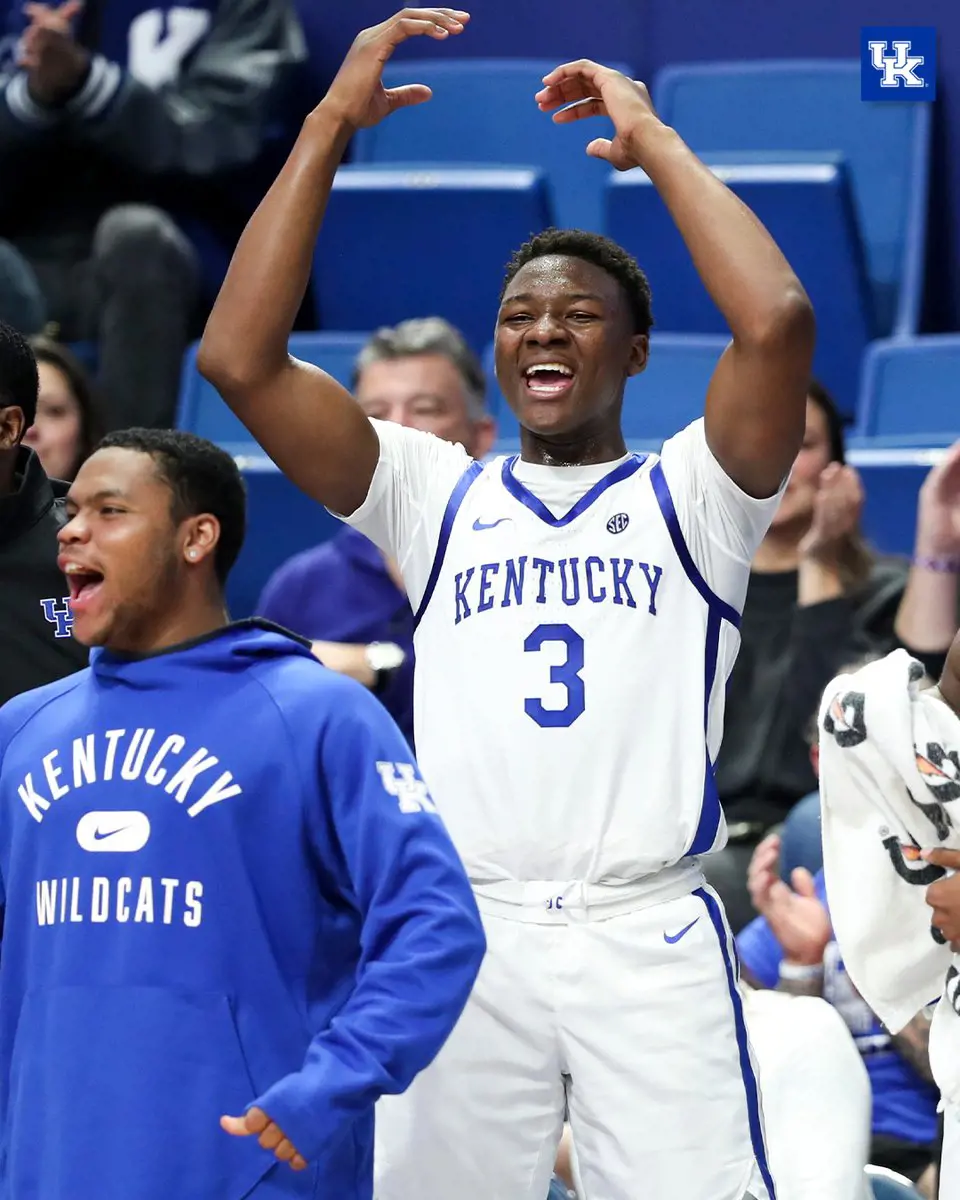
x=224 y=884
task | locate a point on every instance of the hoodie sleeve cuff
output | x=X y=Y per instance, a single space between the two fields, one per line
x=301 y=1114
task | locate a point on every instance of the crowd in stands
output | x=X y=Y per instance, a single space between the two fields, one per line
x=130 y=154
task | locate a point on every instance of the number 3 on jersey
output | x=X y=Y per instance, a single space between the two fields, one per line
x=566 y=673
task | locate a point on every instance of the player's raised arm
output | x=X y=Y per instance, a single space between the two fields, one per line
x=756 y=403
x=304 y=419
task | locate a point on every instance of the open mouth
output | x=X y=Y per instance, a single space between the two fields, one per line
x=548 y=380
x=84 y=585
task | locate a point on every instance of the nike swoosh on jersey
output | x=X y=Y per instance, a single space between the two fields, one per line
x=99 y=835
x=479 y=525
x=670 y=939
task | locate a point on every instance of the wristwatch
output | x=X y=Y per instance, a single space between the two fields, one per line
x=383 y=659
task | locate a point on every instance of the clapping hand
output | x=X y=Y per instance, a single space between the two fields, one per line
x=938 y=512
x=836 y=513
x=797 y=919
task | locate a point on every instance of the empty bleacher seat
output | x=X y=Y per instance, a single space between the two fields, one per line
x=657 y=403
x=400 y=242
x=483 y=111
x=202 y=411
x=281 y=521
x=807 y=208
x=891 y=481
x=911 y=391
x=815 y=107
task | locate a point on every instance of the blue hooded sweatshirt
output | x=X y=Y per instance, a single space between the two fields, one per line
x=224 y=884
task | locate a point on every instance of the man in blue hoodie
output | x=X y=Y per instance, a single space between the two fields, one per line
x=229 y=904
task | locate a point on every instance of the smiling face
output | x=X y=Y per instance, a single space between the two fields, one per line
x=565 y=345
x=120 y=550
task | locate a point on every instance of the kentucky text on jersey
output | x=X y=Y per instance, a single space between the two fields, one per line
x=532 y=580
x=164 y=761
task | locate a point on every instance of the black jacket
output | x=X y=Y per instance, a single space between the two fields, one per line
x=35 y=642
x=127 y=139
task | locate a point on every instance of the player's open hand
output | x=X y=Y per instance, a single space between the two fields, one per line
x=271 y=1137
x=357 y=95
x=591 y=90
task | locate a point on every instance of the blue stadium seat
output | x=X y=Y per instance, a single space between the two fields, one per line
x=891 y=480
x=911 y=391
x=202 y=411
x=281 y=521
x=815 y=107
x=496 y=121
x=808 y=209
x=888 y=1185
x=664 y=398
x=400 y=242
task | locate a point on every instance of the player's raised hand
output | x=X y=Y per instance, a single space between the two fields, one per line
x=270 y=1136
x=357 y=94
x=591 y=90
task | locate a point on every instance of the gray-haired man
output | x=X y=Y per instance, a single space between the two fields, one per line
x=344 y=595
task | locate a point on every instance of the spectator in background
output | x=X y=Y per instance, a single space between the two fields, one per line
x=36 y=646
x=926 y=623
x=345 y=595
x=791 y=946
x=68 y=424
x=929 y=612
x=114 y=120
x=817 y=597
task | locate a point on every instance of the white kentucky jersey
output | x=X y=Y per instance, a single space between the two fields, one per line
x=575 y=628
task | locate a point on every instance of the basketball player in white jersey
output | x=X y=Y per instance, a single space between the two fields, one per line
x=577 y=612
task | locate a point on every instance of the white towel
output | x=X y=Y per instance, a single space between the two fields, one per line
x=889 y=787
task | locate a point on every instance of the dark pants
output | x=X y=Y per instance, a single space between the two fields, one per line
x=726 y=872
x=134 y=295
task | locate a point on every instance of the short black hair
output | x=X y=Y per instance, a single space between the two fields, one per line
x=202 y=478
x=603 y=253
x=19 y=384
